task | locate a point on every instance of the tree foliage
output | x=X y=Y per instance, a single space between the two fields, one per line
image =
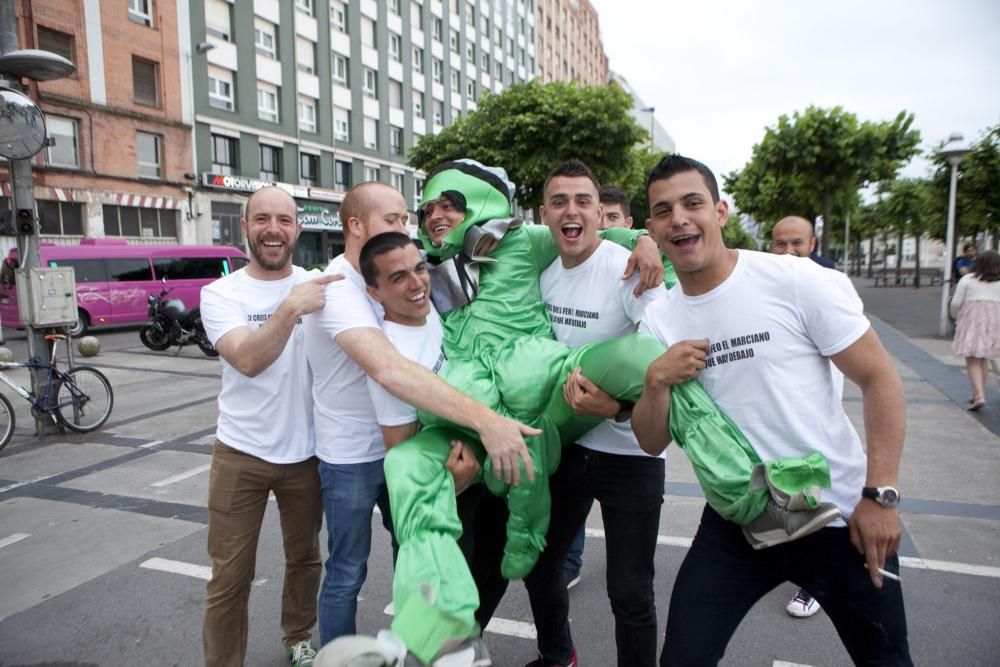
x=530 y=128
x=815 y=162
x=978 y=193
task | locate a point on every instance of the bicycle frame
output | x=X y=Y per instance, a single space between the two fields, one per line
x=37 y=402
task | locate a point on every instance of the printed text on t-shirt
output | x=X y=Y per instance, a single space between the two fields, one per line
x=735 y=348
x=571 y=317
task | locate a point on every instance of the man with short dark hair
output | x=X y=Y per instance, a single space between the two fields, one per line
x=265 y=441
x=732 y=325
x=617 y=212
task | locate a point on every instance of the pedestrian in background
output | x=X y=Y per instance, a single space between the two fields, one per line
x=976 y=309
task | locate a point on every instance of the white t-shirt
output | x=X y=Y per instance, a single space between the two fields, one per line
x=772 y=324
x=590 y=303
x=421 y=344
x=346 y=429
x=268 y=416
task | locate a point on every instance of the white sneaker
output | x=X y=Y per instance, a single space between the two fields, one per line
x=802 y=605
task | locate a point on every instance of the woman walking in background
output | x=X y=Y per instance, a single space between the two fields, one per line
x=976 y=309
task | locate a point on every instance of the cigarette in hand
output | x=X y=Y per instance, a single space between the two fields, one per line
x=886 y=574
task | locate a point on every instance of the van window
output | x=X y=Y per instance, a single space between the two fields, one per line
x=85 y=270
x=129 y=269
x=7 y=272
x=189 y=268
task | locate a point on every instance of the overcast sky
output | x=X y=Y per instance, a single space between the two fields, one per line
x=719 y=72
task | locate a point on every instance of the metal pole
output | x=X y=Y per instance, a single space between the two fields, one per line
x=944 y=323
x=24 y=200
x=847 y=243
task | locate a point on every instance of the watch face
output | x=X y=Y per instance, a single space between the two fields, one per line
x=889 y=497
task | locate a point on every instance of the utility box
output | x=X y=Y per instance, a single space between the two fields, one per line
x=46 y=297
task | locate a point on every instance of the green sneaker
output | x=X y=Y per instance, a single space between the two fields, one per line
x=301 y=654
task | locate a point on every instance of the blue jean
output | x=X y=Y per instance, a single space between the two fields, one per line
x=870 y=621
x=350 y=493
x=630 y=491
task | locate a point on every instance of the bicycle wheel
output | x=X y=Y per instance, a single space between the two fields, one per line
x=6 y=421
x=83 y=399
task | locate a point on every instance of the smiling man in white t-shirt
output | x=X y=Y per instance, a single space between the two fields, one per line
x=265 y=440
x=589 y=302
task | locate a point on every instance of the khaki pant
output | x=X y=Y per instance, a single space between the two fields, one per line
x=237 y=497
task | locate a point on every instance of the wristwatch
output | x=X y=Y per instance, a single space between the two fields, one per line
x=886 y=496
x=624 y=411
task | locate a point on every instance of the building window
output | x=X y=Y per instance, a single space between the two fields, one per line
x=395 y=47
x=498 y=70
x=307 y=114
x=305 y=55
x=220 y=88
x=418 y=59
x=417 y=15
x=60 y=218
x=340 y=69
x=65 y=150
x=140 y=222
x=371 y=173
x=341 y=124
x=267 y=102
x=437 y=29
x=484 y=25
x=270 y=163
x=397 y=181
x=418 y=104
x=395 y=140
x=437 y=70
x=418 y=192
x=395 y=94
x=470 y=52
x=141 y=11
x=470 y=90
x=454 y=81
x=371 y=84
x=453 y=40
x=264 y=39
x=308 y=170
x=470 y=14
x=438 y=112
x=304 y=6
x=371 y=133
x=224 y=154
x=485 y=64
x=60 y=43
x=148 y=153
x=394 y=7
x=342 y=175
x=338 y=16
x=218 y=19
x=144 y=85
x=368 y=32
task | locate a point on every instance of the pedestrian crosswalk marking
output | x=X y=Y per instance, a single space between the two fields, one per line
x=497 y=626
x=178 y=567
x=182 y=476
x=13 y=539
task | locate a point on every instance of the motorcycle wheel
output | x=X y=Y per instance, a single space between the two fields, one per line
x=153 y=339
x=206 y=347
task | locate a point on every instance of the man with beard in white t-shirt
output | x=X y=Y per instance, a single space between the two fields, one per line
x=344 y=344
x=265 y=440
x=588 y=302
x=760 y=332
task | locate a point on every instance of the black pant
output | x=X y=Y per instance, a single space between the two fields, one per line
x=722 y=577
x=630 y=491
x=484 y=533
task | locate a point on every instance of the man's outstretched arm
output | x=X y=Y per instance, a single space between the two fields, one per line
x=501 y=437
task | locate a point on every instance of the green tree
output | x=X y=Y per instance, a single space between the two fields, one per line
x=910 y=207
x=815 y=162
x=530 y=128
x=978 y=194
x=735 y=234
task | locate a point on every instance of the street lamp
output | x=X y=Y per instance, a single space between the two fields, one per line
x=652 y=120
x=953 y=152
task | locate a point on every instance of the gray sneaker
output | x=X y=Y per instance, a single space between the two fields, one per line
x=777 y=525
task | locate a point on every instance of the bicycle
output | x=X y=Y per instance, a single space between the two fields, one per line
x=79 y=399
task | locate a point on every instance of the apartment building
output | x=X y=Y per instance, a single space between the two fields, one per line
x=569 y=43
x=121 y=159
x=317 y=95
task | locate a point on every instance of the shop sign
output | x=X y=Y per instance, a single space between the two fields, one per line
x=238 y=183
x=316 y=216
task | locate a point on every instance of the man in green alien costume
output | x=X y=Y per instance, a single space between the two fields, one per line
x=501 y=350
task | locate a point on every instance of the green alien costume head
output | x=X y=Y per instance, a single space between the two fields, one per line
x=482 y=193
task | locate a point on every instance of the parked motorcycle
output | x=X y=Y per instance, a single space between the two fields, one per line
x=171 y=323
